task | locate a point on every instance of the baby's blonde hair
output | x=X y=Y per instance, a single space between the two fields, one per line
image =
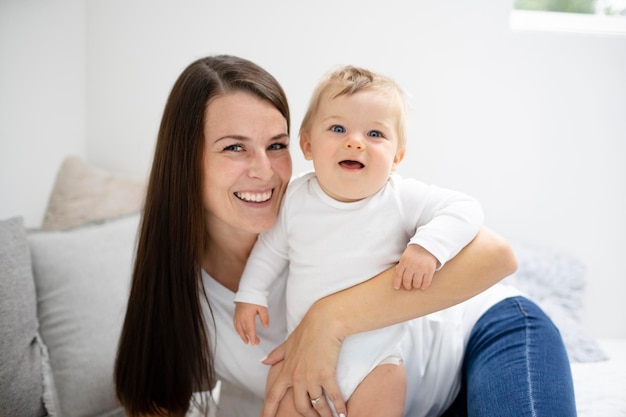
x=348 y=80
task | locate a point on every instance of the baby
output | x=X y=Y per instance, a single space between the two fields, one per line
x=349 y=220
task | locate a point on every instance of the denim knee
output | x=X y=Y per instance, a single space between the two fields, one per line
x=516 y=365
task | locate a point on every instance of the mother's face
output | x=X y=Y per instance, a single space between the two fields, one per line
x=247 y=165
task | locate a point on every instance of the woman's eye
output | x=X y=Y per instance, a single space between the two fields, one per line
x=234 y=148
x=277 y=146
x=375 y=134
x=337 y=129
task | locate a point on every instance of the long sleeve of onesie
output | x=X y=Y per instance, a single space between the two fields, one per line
x=446 y=220
x=266 y=263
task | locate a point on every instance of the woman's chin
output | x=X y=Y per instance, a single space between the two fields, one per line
x=260 y=224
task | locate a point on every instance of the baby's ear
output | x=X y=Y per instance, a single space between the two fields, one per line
x=397 y=159
x=305 y=145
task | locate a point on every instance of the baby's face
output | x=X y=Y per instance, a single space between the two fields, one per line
x=353 y=143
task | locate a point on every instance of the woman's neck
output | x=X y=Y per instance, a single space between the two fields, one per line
x=225 y=257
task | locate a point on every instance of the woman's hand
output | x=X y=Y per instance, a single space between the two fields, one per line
x=310 y=356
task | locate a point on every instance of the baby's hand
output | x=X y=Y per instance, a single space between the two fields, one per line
x=415 y=269
x=245 y=315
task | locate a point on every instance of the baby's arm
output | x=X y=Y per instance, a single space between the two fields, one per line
x=445 y=221
x=415 y=269
x=245 y=315
x=264 y=266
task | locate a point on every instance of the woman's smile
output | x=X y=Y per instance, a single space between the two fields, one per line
x=254 y=196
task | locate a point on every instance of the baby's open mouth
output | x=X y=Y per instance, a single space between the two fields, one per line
x=254 y=197
x=351 y=164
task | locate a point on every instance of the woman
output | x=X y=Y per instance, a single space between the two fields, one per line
x=220 y=170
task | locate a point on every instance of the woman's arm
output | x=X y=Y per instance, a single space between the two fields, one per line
x=375 y=303
x=311 y=352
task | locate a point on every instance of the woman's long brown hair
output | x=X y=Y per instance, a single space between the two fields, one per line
x=164 y=352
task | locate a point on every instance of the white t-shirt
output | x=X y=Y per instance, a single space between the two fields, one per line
x=235 y=362
x=329 y=245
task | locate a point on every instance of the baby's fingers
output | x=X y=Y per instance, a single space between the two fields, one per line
x=252 y=335
x=397 y=278
x=426 y=281
x=241 y=331
x=264 y=317
x=407 y=281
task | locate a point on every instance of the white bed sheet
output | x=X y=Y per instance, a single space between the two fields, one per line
x=600 y=387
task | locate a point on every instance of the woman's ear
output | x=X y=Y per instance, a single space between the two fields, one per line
x=397 y=159
x=305 y=145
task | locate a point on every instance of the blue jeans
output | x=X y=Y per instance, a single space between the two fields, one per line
x=515 y=365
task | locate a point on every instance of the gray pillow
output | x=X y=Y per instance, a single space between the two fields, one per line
x=21 y=382
x=82 y=278
x=556 y=282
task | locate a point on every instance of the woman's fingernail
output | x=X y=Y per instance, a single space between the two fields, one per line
x=265 y=357
x=342 y=415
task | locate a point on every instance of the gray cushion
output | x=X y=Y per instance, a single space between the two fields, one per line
x=21 y=383
x=556 y=281
x=82 y=278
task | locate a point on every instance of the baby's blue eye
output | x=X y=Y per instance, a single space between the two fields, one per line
x=337 y=129
x=375 y=134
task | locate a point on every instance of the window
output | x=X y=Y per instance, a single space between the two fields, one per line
x=606 y=17
x=602 y=7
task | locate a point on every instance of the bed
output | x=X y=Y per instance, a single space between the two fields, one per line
x=601 y=386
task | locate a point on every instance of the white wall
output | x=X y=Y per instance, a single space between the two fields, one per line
x=531 y=123
x=42 y=99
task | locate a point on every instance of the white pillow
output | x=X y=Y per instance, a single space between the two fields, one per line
x=82 y=277
x=83 y=193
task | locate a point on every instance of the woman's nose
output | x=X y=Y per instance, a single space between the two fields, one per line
x=260 y=166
